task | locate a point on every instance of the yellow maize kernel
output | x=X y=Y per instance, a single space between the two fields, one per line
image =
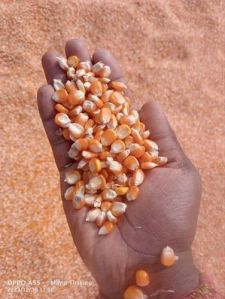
x=81 y=144
x=131 y=163
x=121 y=190
x=142 y=278
x=133 y=292
x=95 y=146
x=60 y=95
x=148 y=165
x=120 y=86
x=73 y=61
x=96 y=88
x=106 y=228
x=95 y=165
x=168 y=257
x=66 y=133
x=76 y=97
x=61 y=108
x=106 y=205
x=132 y=193
x=62 y=120
x=108 y=137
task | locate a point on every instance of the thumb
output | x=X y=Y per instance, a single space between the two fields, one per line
x=156 y=122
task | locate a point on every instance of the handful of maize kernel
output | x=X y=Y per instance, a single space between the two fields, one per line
x=111 y=146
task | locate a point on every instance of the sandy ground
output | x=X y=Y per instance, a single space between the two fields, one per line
x=173 y=51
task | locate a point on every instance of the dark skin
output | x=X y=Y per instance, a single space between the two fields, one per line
x=164 y=214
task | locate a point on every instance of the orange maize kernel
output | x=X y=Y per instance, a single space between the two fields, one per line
x=81 y=144
x=142 y=278
x=96 y=88
x=131 y=163
x=61 y=108
x=62 y=120
x=60 y=95
x=168 y=257
x=106 y=205
x=133 y=292
x=106 y=228
x=108 y=137
x=148 y=165
x=66 y=134
x=120 y=86
x=132 y=193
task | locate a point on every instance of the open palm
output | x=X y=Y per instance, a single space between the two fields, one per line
x=164 y=214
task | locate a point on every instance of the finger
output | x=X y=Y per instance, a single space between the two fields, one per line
x=77 y=47
x=60 y=146
x=161 y=132
x=107 y=58
x=51 y=66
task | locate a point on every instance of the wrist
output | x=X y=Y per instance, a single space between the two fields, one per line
x=171 y=283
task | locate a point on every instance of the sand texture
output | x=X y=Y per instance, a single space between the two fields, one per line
x=172 y=51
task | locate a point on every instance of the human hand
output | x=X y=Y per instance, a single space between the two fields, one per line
x=164 y=214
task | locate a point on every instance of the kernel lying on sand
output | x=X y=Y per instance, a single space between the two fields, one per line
x=110 y=144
